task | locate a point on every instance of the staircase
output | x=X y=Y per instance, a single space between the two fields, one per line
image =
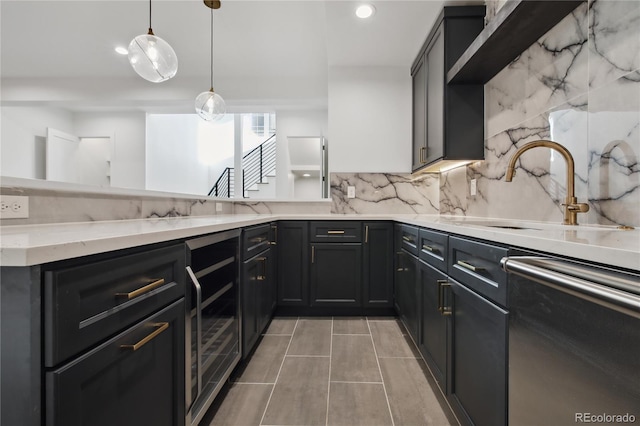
x=258 y=173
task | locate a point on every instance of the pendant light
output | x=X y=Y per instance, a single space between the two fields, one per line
x=209 y=105
x=152 y=57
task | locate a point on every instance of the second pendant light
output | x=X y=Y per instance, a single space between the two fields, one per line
x=209 y=105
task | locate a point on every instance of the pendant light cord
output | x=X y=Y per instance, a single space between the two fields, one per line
x=150 y=30
x=211 y=62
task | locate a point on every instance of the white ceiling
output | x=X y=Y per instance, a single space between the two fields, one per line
x=284 y=43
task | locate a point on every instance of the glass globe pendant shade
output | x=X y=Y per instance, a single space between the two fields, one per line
x=152 y=58
x=210 y=106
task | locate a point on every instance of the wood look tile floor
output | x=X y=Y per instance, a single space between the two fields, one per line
x=332 y=371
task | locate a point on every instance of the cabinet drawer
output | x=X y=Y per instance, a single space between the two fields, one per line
x=409 y=238
x=134 y=378
x=85 y=304
x=255 y=240
x=341 y=231
x=433 y=248
x=477 y=265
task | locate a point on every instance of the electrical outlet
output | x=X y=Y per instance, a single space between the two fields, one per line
x=351 y=192
x=218 y=207
x=14 y=207
x=473 y=187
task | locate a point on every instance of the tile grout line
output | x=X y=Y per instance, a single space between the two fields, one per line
x=279 y=370
x=384 y=387
x=308 y=356
x=329 y=378
x=356 y=383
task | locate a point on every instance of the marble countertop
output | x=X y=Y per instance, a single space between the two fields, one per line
x=26 y=245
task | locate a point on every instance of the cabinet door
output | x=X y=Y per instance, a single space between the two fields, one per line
x=419 y=113
x=434 y=322
x=251 y=284
x=435 y=98
x=479 y=362
x=336 y=274
x=265 y=291
x=378 y=264
x=407 y=294
x=135 y=378
x=293 y=263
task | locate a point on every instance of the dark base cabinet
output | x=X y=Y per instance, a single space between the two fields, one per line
x=434 y=323
x=336 y=274
x=378 y=265
x=407 y=294
x=118 y=382
x=478 y=391
x=293 y=263
x=257 y=299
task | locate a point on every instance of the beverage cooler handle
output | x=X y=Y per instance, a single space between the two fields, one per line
x=198 y=288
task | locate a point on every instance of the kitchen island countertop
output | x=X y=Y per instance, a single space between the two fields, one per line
x=26 y=245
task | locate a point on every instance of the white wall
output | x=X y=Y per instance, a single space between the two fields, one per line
x=370 y=120
x=295 y=123
x=23 y=137
x=128 y=131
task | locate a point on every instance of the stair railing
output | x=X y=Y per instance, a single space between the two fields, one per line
x=223 y=187
x=257 y=164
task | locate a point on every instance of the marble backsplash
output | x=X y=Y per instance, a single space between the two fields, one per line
x=579 y=85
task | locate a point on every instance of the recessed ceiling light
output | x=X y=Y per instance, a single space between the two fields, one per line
x=121 y=50
x=365 y=11
x=306 y=175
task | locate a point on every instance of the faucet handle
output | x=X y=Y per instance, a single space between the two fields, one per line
x=578 y=207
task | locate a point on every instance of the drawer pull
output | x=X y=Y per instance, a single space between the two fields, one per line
x=313 y=254
x=470 y=266
x=407 y=239
x=142 y=290
x=444 y=310
x=335 y=232
x=161 y=326
x=263 y=276
x=366 y=234
x=428 y=248
x=258 y=240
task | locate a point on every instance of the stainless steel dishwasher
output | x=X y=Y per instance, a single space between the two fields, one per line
x=574 y=343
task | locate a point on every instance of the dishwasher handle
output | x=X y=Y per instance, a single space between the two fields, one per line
x=550 y=272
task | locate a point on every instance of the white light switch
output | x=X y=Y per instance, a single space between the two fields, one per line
x=218 y=207
x=473 y=187
x=351 y=192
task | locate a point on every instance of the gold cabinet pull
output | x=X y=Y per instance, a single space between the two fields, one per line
x=470 y=266
x=336 y=231
x=366 y=234
x=428 y=248
x=275 y=235
x=407 y=239
x=313 y=254
x=142 y=290
x=423 y=154
x=160 y=327
x=258 y=239
x=444 y=310
x=263 y=276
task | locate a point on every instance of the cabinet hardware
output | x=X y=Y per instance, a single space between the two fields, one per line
x=470 y=266
x=335 y=232
x=366 y=234
x=444 y=310
x=160 y=327
x=313 y=254
x=275 y=235
x=142 y=290
x=258 y=240
x=407 y=239
x=263 y=276
x=428 y=248
x=423 y=155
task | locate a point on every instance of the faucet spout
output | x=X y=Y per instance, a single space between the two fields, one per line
x=571 y=205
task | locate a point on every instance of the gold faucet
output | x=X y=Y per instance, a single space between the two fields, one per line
x=571 y=205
